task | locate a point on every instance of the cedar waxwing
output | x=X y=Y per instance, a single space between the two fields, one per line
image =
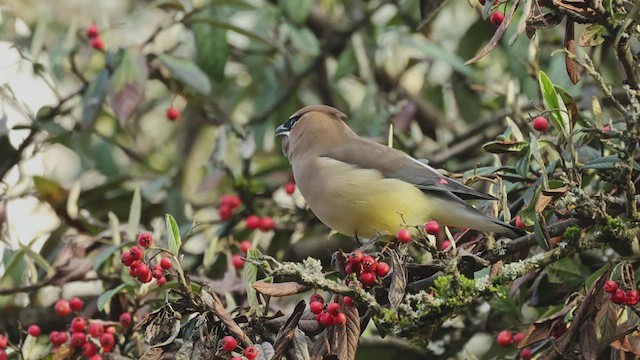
x=361 y=188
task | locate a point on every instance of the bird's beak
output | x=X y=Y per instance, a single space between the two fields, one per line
x=282 y=130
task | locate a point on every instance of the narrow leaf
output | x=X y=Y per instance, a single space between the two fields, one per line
x=398 y=281
x=570 y=44
x=126 y=89
x=104 y=299
x=173 y=235
x=505 y=146
x=541 y=236
x=212 y=48
x=250 y=274
x=552 y=102
x=93 y=99
x=280 y=289
x=134 y=214
x=188 y=72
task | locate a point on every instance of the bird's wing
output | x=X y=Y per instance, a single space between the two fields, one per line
x=395 y=164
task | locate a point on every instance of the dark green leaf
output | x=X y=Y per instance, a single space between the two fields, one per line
x=505 y=146
x=541 y=237
x=212 y=49
x=127 y=85
x=250 y=275
x=551 y=99
x=607 y=162
x=564 y=271
x=296 y=10
x=104 y=299
x=93 y=99
x=188 y=72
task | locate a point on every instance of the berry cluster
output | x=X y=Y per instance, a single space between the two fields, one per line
x=90 y=339
x=328 y=314
x=265 y=223
x=229 y=344
x=619 y=296
x=365 y=267
x=506 y=338
x=93 y=33
x=138 y=268
x=228 y=203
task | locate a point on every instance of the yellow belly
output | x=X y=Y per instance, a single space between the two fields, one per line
x=361 y=202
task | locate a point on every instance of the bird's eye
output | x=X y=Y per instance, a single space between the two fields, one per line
x=292 y=121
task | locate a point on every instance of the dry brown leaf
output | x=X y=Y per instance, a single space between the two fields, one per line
x=541 y=329
x=287 y=334
x=548 y=196
x=212 y=301
x=573 y=70
x=398 y=281
x=280 y=289
x=152 y=354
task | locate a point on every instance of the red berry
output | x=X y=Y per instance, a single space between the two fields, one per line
x=4 y=341
x=367 y=278
x=125 y=319
x=333 y=308
x=225 y=211
x=267 y=223
x=339 y=319
x=316 y=297
x=78 y=339
x=157 y=273
x=97 y=43
x=497 y=18
x=132 y=271
x=96 y=357
x=610 y=286
x=92 y=31
x=290 y=188
x=161 y=281
x=631 y=297
x=606 y=130
x=237 y=261
x=445 y=245
x=355 y=256
x=526 y=354
x=145 y=278
x=173 y=114
x=145 y=239
x=432 y=227
x=236 y=358
x=403 y=235
x=245 y=245
x=126 y=259
x=252 y=222
x=111 y=330
x=316 y=307
x=504 y=338
x=618 y=297
x=76 y=304
x=517 y=338
x=78 y=324
x=519 y=223
x=34 y=330
x=325 y=319
x=228 y=343
x=62 y=308
x=166 y=263
x=232 y=200
x=251 y=352
x=96 y=329
x=347 y=301
x=58 y=337
x=142 y=270
x=382 y=269
x=107 y=340
x=89 y=349
x=540 y=123
x=3 y=355
x=136 y=253
x=369 y=263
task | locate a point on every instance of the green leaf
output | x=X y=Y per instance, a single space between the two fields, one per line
x=93 y=99
x=188 y=72
x=535 y=152
x=128 y=82
x=523 y=164
x=551 y=101
x=114 y=222
x=173 y=235
x=212 y=49
x=593 y=35
x=250 y=275
x=104 y=299
x=39 y=260
x=134 y=214
x=563 y=271
x=296 y=10
x=541 y=239
x=505 y=146
x=607 y=162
